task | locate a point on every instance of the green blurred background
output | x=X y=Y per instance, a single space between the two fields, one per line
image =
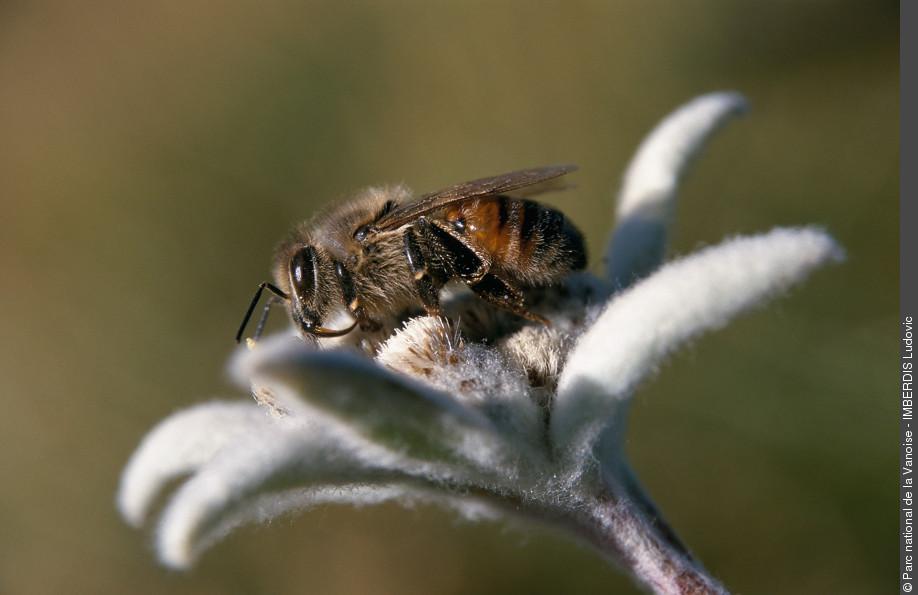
x=153 y=153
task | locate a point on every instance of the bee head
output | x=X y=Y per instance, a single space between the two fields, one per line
x=314 y=286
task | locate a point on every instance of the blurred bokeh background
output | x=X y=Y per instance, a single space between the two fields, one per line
x=153 y=153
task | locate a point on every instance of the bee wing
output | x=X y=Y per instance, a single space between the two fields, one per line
x=469 y=190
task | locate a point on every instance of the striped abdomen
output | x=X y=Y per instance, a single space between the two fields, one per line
x=526 y=240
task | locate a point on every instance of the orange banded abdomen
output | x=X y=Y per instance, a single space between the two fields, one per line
x=526 y=240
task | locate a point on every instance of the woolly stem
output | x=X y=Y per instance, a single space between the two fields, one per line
x=622 y=533
x=624 y=527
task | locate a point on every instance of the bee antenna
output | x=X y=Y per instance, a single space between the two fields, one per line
x=260 y=327
x=264 y=317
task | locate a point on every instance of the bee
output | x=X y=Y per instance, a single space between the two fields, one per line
x=382 y=253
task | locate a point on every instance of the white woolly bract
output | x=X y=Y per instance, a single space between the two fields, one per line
x=649 y=187
x=180 y=444
x=386 y=407
x=643 y=324
x=230 y=488
x=180 y=551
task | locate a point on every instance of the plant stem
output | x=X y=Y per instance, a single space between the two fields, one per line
x=622 y=532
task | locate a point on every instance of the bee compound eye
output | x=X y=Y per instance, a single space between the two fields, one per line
x=303 y=271
x=361 y=234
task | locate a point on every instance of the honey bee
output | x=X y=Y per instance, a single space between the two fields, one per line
x=382 y=253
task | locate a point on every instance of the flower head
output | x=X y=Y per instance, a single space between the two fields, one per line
x=473 y=410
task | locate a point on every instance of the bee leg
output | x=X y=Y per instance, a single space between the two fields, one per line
x=428 y=284
x=460 y=256
x=352 y=301
x=502 y=294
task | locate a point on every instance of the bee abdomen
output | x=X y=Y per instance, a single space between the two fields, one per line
x=548 y=240
x=526 y=239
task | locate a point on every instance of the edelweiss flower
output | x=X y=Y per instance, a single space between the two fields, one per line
x=476 y=411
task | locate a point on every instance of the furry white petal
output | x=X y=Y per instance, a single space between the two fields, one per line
x=242 y=481
x=643 y=324
x=386 y=407
x=181 y=551
x=180 y=444
x=648 y=192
